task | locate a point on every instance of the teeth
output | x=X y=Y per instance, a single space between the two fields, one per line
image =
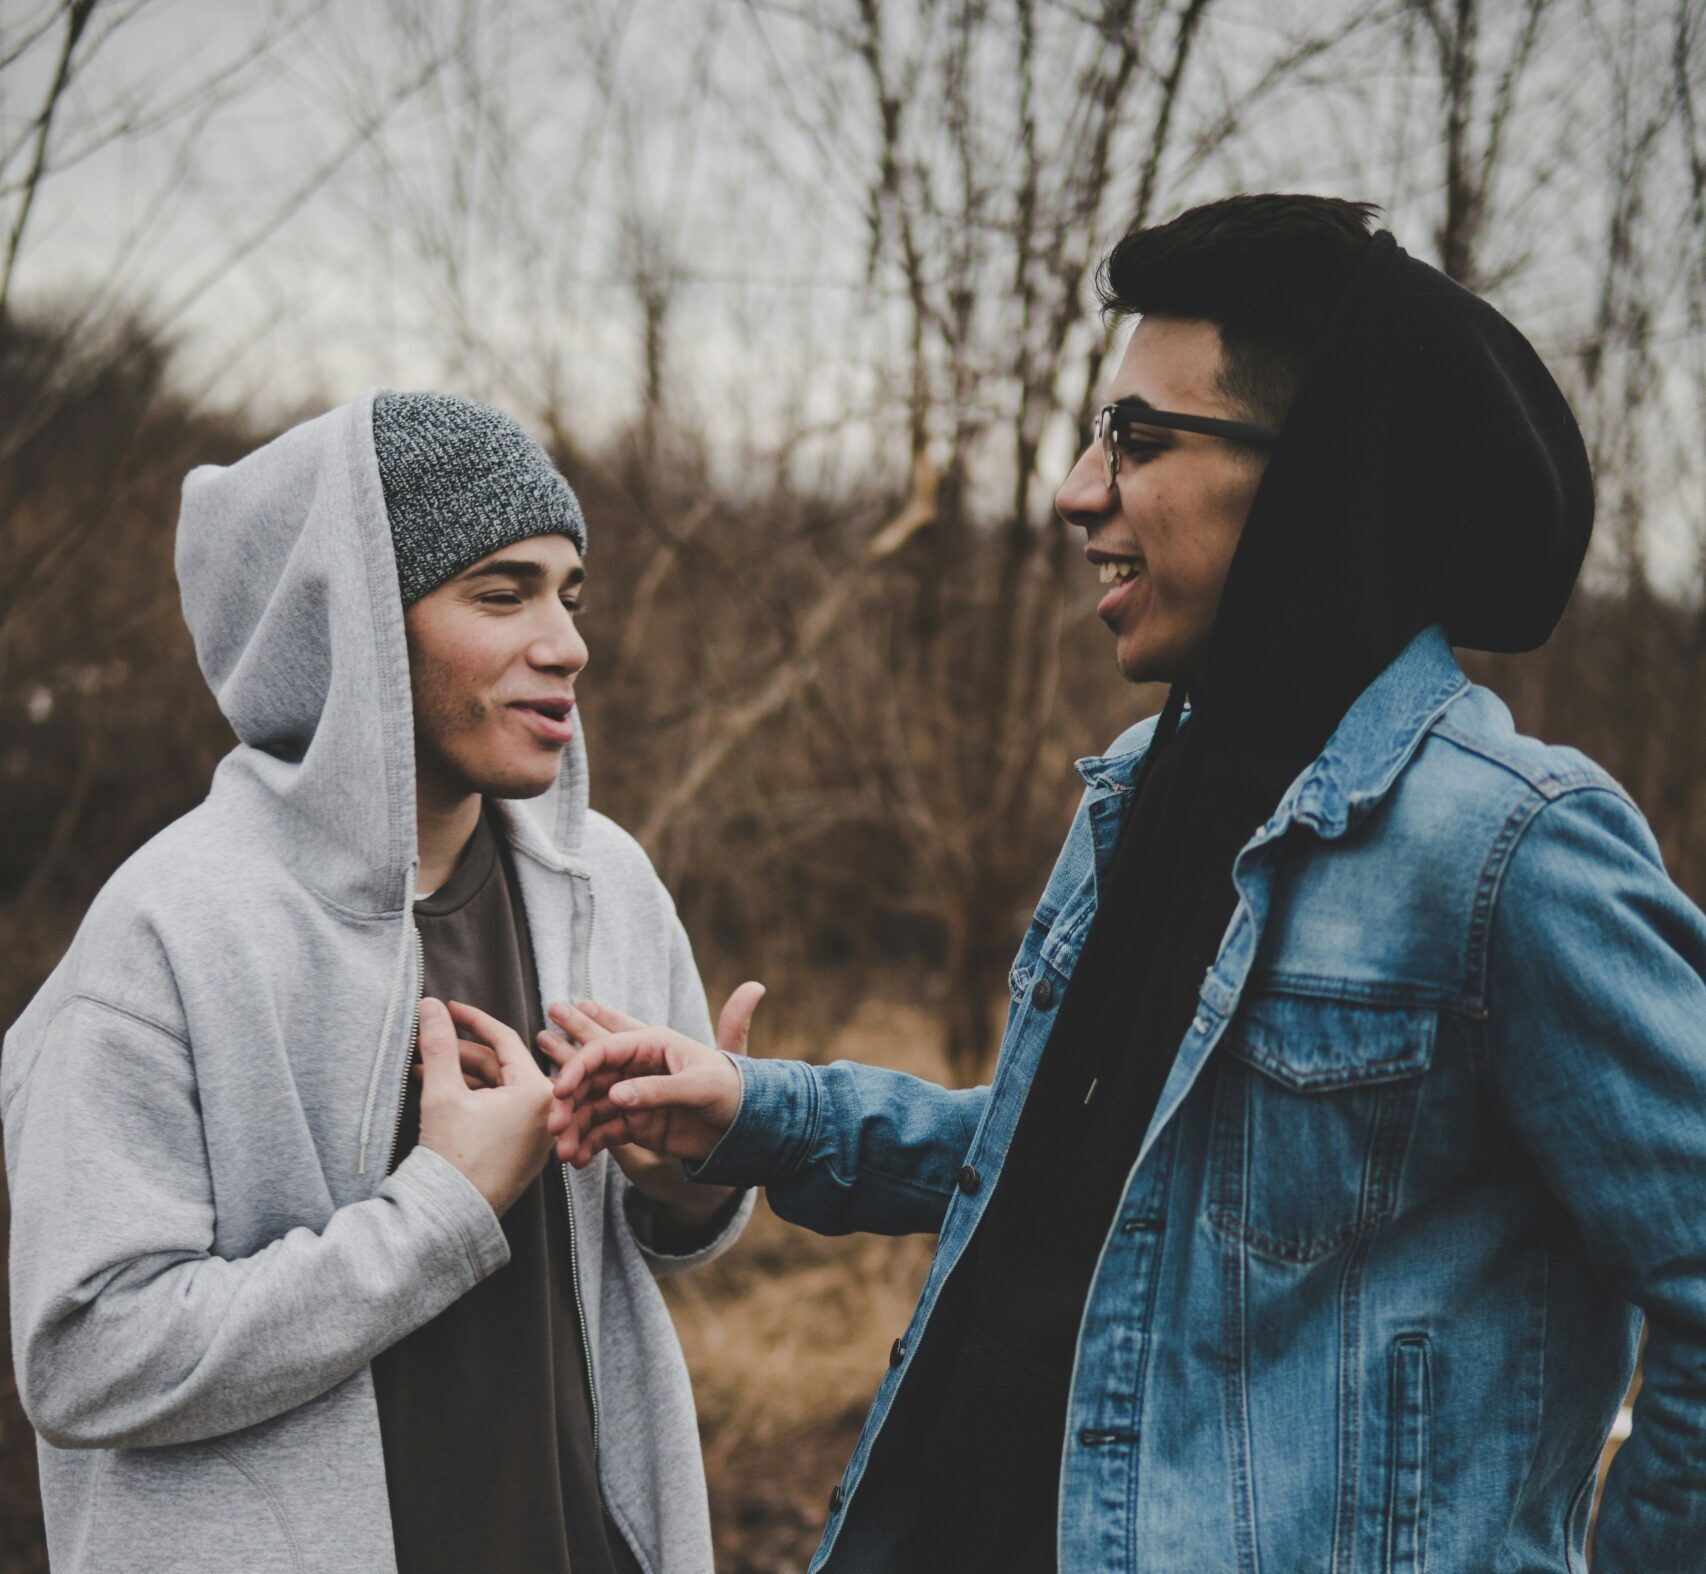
x=1117 y=572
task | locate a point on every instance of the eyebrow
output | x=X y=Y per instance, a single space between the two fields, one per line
x=1132 y=407
x=521 y=569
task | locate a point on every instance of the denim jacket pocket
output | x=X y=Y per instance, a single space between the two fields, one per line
x=1053 y=939
x=1313 y=1106
x=1029 y=957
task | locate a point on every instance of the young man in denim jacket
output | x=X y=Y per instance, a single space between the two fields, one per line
x=1352 y=1105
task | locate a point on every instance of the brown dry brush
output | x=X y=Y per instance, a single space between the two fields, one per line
x=873 y=766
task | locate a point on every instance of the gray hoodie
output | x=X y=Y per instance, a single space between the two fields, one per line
x=200 y=1104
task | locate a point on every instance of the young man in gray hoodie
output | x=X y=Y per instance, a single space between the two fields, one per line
x=258 y=1315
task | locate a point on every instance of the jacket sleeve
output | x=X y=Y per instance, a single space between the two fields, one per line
x=1597 y=997
x=847 y=1146
x=129 y=1329
x=689 y=1014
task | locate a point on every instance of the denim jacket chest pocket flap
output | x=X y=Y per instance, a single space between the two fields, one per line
x=1314 y=1103
x=1052 y=940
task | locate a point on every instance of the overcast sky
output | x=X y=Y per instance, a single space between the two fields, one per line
x=464 y=194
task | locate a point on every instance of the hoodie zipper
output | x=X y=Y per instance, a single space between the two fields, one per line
x=580 y=1314
x=581 y=954
x=414 y=1045
x=369 y=1108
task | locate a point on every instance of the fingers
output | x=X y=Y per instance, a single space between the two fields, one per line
x=620 y=1054
x=583 y=1118
x=480 y=1066
x=588 y=1136
x=514 y=1062
x=734 y=1025
x=441 y=1065
x=590 y=1021
x=591 y=1092
x=609 y=1018
x=637 y=1093
x=577 y=1025
x=556 y=1047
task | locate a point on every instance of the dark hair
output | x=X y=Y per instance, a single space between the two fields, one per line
x=1267 y=269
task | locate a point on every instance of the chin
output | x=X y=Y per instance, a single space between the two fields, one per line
x=529 y=789
x=524 y=786
x=514 y=782
x=1142 y=667
x=1142 y=661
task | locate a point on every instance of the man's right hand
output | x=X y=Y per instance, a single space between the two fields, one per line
x=651 y=1086
x=496 y=1136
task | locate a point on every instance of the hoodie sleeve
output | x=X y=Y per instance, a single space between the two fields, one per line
x=689 y=1014
x=1597 y=995
x=129 y=1330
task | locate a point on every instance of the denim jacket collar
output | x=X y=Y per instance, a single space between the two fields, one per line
x=1363 y=757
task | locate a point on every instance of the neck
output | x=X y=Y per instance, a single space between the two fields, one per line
x=445 y=819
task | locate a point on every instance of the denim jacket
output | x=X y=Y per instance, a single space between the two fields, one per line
x=1433 y=1143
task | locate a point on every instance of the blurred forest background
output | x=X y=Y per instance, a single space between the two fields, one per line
x=799 y=293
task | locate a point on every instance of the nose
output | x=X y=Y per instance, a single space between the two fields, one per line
x=559 y=647
x=1085 y=499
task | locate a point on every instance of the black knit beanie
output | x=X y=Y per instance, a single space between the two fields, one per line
x=461 y=480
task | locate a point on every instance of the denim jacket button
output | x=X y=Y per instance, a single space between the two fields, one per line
x=970 y=1180
x=1042 y=995
x=897 y=1352
x=836 y=1498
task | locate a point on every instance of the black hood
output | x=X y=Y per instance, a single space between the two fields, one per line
x=1429 y=471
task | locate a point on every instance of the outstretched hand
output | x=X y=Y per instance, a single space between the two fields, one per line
x=621 y=1081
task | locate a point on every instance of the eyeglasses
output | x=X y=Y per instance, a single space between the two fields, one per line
x=1113 y=420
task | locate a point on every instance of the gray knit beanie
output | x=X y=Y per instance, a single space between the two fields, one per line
x=461 y=480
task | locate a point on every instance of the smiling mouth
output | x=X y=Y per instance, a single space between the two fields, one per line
x=1117 y=570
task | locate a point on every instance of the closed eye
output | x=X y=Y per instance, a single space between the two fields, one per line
x=508 y=598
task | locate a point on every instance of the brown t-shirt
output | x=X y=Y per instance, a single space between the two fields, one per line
x=484 y=1411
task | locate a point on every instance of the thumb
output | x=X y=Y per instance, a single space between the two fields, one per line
x=649 y=1093
x=440 y=1060
x=734 y=1025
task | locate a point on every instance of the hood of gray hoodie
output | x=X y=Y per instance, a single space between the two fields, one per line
x=290 y=592
x=200 y=1103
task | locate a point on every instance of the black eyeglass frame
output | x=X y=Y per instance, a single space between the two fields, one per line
x=1112 y=418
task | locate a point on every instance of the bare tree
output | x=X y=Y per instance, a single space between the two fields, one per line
x=1476 y=98
x=105 y=333
x=1003 y=147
